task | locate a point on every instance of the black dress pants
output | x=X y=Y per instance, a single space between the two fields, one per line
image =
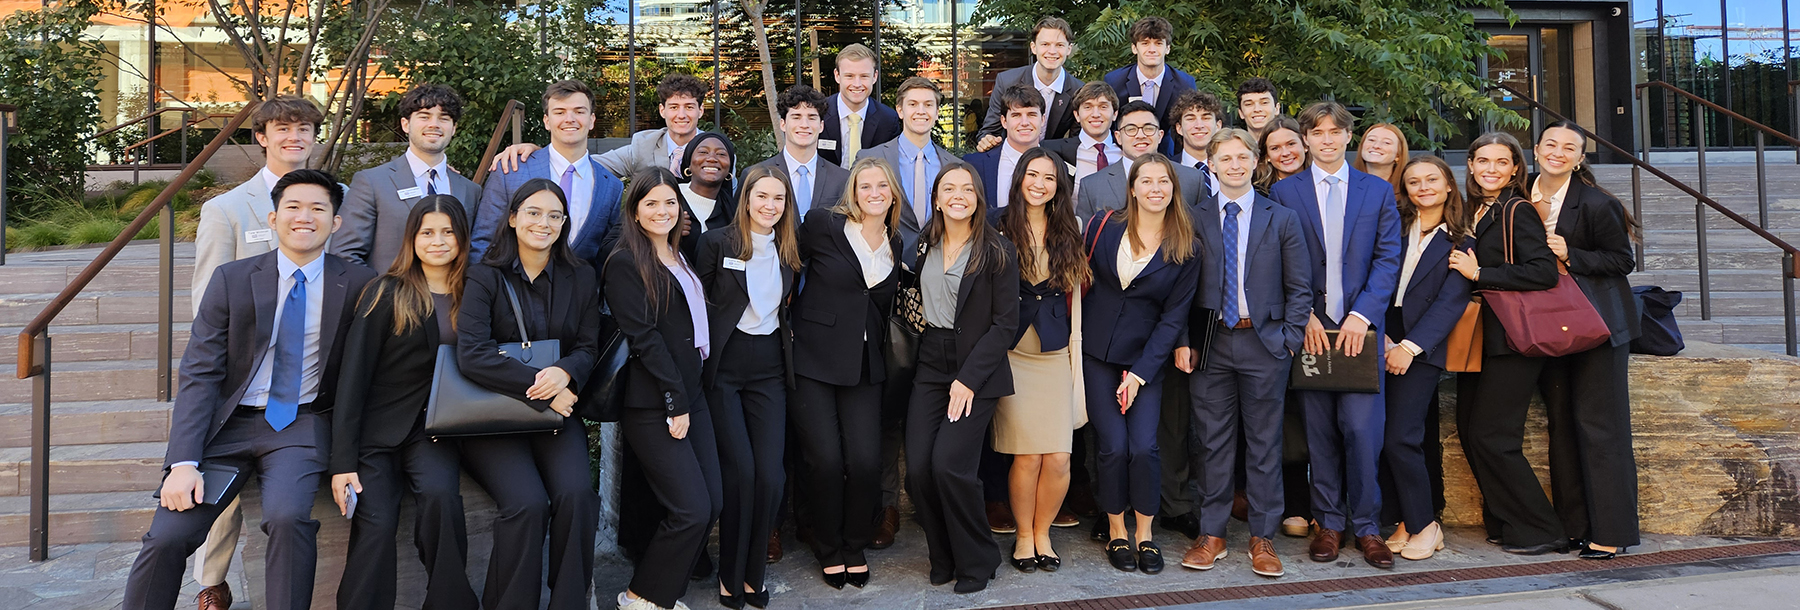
x=839 y=430
x=1406 y=480
x=540 y=485
x=1494 y=439
x=684 y=473
x=1468 y=395
x=942 y=457
x=749 y=409
x=429 y=471
x=1593 y=474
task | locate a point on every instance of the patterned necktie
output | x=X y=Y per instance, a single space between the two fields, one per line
x=852 y=138
x=431 y=181
x=921 y=187
x=1206 y=177
x=1333 y=213
x=803 y=189
x=1099 y=156
x=1230 y=310
x=290 y=343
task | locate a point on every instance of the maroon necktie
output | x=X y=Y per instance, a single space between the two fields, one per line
x=1099 y=156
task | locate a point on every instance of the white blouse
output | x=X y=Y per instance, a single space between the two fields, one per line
x=1416 y=248
x=762 y=279
x=876 y=264
x=1129 y=268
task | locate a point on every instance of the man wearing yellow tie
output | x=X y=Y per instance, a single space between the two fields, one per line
x=853 y=120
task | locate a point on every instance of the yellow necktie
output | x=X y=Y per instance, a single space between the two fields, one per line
x=853 y=138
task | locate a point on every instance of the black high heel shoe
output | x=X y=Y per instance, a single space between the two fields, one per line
x=856 y=579
x=731 y=601
x=758 y=599
x=836 y=580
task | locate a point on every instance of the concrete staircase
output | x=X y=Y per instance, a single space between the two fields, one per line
x=108 y=431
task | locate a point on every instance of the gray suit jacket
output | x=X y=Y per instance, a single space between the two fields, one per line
x=645 y=150
x=909 y=224
x=221 y=239
x=1106 y=190
x=1059 y=118
x=828 y=188
x=375 y=215
x=1277 y=281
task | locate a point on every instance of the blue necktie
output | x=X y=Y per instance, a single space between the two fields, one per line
x=1230 y=311
x=803 y=189
x=431 y=182
x=1333 y=213
x=290 y=341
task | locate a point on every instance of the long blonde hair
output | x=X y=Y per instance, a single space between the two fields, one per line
x=1177 y=230
x=851 y=209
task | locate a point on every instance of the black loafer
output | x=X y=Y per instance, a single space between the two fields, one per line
x=1026 y=565
x=1535 y=549
x=965 y=586
x=1048 y=563
x=1120 y=554
x=1150 y=559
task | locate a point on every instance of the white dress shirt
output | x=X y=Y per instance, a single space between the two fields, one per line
x=269 y=179
x=1087 y=160
x=581 y=190
x=257 y=394
x=1009 y=162
x=1145 y=82
x=1556 y=202
x=812 y=177
x=762 y=279
x=843 y=113
x=1129 y=267
x=1245 y=204
x=421 y=172
x=1051 y=89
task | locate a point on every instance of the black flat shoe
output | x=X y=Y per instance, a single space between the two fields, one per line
x=1048 y=563
x=758 y=599
x=1149 y=559
x=1536 y=549
x=1026 y=565
x=965 y=586
x=731 y=601
x=1588 y=552
x=1099 y=533
x=856 y=579
x=1496 y=540
x=1120 y=554
x=836 y=580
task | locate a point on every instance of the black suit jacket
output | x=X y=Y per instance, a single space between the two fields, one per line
x=385 y=380
x=1533 y=266
x=1592 y=223
x=728 y=295
x=837 y=310
x=880 y=124
x=664 y=371
x=987 y=320
x=233 y=329
x=486 y=319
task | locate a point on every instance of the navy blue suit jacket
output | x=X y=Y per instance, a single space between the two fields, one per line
x=1434 y=299
x=1173 y=84
x=1137 y=326
x=1371 y=243
x=590 y=243
x=987 y=166
x=880 y=124
x=1277 y=283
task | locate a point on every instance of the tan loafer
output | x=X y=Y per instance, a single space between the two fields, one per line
x=1425 y=544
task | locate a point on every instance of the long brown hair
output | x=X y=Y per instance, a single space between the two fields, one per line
x=1178 y=230
x=405 y=278
x=1401 y=156
x=1456 y=218
x=1586 y=175
x=852 y=209
x=637 y=241
x=787 y=241
x=988 y=248
x=1266 y=174
x=1068 y=269
x=1515 y=184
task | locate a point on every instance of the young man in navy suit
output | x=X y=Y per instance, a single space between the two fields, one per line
x=1151 y=78
x=256 y=385
x=1023 y=117
x=1353 y=235
x=853 y=119
x=593 y=191
x=1256 y=288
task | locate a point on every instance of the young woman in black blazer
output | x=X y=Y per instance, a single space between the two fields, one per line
x=1130 y=330
x=1429 y=301
x=748 y=268
x=969 y=283
x=659 y=304
x=541 y=478
x=851 y=252
x=1593 y=475
x=1492 y=425
x=707 y=164
x=378 y=445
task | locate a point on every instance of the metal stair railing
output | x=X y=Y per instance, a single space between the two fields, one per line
x=512 y=115
x=1762 y=179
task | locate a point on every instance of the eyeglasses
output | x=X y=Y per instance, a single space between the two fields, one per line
x=1133 y=131
x=534 y=214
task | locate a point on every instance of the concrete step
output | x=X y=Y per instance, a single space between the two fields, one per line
x=79 y=469
x=94 y=307
x=120 y=516
x=121 y=274
x=98 y=342
x=76 y=381
x=89 y=423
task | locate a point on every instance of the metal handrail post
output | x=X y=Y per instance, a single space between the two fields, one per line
x=5 y=129
x=1699 y=115
x=1700 y=220
x=187 y=120
x=1787 y=300
x=165 y=304
x=1637 y=180
x=1762 y=185
x=40 y=453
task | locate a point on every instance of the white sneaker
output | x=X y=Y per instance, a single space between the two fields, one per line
x=626 y=603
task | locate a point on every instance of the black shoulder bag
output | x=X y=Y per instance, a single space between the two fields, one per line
x=460 y=407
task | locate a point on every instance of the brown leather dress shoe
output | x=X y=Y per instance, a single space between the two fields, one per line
x=1065 y=518
x=1080 y=500
x=1206 y=551
x=1240 y=506
x=1263 y=559
x=1375 y=551
x=885 y=528
x=1000 y=518
x=1325 y=544
x=216 y=597
x=774 y=545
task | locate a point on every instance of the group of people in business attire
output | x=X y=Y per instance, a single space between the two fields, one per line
x=1114 y=274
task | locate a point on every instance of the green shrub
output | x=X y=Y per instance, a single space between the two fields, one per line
x=96 y=231
x=150 y=231
x=41 y=235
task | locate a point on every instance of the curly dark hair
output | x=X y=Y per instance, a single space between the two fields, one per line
x=427 y=96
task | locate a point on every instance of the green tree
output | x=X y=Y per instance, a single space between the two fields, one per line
x=52 y=74
x=1410 y=62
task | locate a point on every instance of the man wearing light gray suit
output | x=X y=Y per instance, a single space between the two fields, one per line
x=915 y=157
x=380 y=198
x=235 y=226
x=1139 y=133
x=680 y=99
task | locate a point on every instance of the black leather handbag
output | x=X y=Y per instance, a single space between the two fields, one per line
x=904 y=325
x=460 y=407
x=603 y=398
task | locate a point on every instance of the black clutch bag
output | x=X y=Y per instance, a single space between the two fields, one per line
x=460 y=407
x=603 y=398
x=1332 y=371
x=1203 y=326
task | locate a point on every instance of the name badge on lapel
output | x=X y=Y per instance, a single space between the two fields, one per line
x=411 y=193
x=735 y=264
x=1071 y=168
x=827 y=144
x=257 y=236
x=1135 y=98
